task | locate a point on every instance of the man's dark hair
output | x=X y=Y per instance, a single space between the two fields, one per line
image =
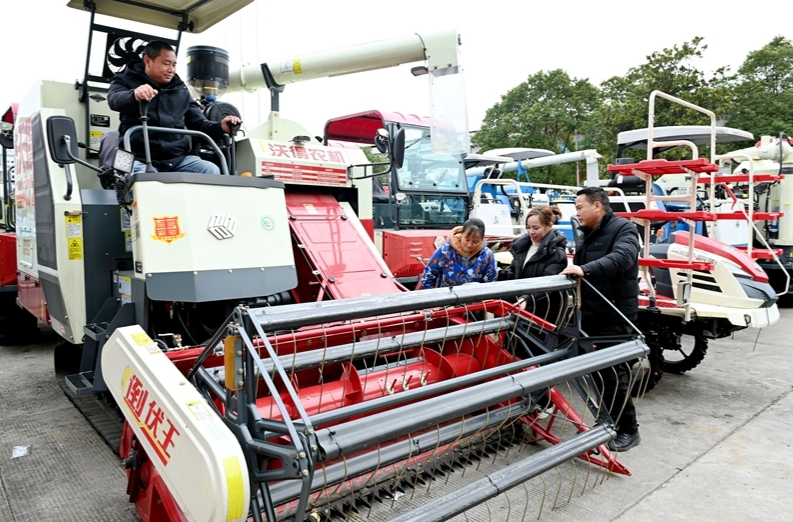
x=154 y=48
x=475 y=225
x=595 y=194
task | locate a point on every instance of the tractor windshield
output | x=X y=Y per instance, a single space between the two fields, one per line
x=422 y=170
x=434 y=185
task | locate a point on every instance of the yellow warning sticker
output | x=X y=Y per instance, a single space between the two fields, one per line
x=128 y=240
x=95 y=139
x=74 y=226
x=143 y=339
x=75 y=249
x=298 y=68
x=199 y=410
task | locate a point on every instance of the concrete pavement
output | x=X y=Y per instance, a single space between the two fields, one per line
x=716 y=445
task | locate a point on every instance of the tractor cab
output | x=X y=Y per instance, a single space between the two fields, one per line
x=427 y=191
x=417 y=200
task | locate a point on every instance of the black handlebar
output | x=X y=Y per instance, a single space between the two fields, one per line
x=144 y=108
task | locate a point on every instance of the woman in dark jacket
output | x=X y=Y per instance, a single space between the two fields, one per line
x=540 y=252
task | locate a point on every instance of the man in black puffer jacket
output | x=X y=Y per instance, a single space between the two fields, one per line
x=154 y=79
x=606 y=255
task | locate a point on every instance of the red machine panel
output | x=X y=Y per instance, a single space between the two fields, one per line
x=403 y=248
x=8 y=259
x=344 y=263
x=31 y=296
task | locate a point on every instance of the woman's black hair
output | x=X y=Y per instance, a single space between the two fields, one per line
x=475 y=225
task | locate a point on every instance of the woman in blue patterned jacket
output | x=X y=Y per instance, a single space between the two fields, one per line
x=463 y=258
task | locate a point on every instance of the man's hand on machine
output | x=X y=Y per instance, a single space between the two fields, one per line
x=228 y=122
x=573 y=270
x=145 y=92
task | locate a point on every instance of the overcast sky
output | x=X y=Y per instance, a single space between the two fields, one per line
x=503 y=43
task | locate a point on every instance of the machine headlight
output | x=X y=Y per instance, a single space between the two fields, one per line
x=124 y=161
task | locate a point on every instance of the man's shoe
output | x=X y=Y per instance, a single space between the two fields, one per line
x=625 y=441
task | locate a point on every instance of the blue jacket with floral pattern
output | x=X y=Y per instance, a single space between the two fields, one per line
x=447 y=267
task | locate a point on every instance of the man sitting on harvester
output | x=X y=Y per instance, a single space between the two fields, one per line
x=155 y=81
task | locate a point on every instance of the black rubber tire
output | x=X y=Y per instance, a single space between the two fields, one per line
x=648 y=380
x=690 y=358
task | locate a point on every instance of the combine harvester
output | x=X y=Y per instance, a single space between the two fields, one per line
x=267 y=363
x=16 y=324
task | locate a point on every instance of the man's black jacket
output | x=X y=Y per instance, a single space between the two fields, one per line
x=608 y=255
x=172 y=107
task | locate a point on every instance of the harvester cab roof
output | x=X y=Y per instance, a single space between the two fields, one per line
x=184 y=15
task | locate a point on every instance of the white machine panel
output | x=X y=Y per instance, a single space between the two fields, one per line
x=197 y=456
x=224 y=230
x=306 y=164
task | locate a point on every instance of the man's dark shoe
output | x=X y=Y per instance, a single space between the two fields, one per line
x=625 y=441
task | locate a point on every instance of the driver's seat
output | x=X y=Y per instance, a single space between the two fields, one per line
x=107 y=149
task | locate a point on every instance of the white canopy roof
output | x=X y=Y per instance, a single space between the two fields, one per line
x=698 y=134
x=167 y=13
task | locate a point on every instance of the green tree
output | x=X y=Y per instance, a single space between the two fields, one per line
x=764 y=90
x=544 y=112
x=375 y=157
x=673 y=71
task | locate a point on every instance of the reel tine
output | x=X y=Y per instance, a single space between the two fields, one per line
x=490 y=513
x=575 y=480
x=434 y=458
x=544 y=495
x=371 y=477
x=586 y=479
x=526 y=506
x=558 y=490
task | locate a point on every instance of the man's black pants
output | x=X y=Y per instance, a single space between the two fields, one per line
x=614 y=383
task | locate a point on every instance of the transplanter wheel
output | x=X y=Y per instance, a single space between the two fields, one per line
x=685 y=353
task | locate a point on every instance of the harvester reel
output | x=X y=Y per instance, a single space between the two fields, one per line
x=359 y=399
